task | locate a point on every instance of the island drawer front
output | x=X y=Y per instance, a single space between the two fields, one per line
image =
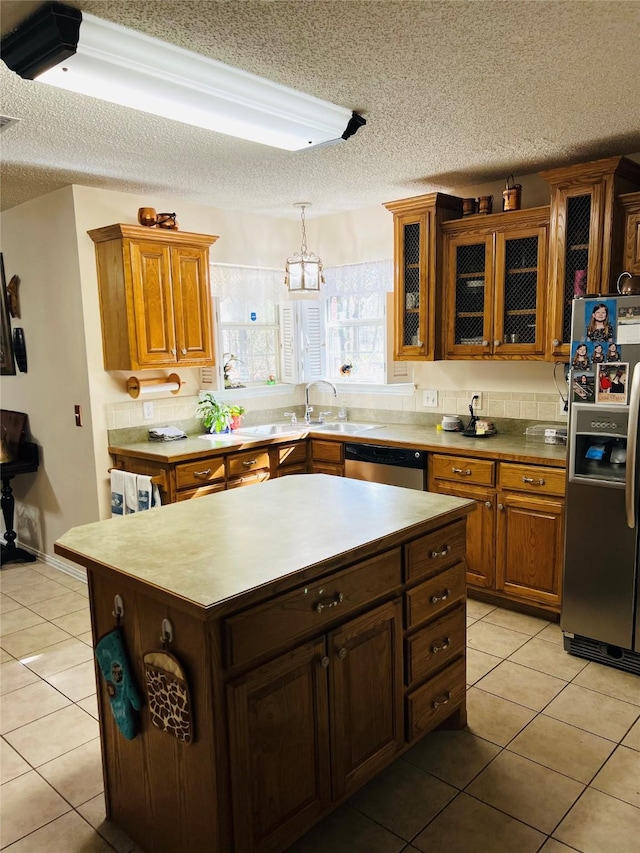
x=245 y=463
x=437 y=643
x=200 y=491
x=436 y=551
x=434 y=595
x=460 y=469
x=200 y=472
x=291 y=454
x=429 y=705
x=310 y=608
x=248 y=480
x=533 y=479
x=326 y=451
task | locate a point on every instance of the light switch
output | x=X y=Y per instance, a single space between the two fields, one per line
x=147 y=411
x=430 y=399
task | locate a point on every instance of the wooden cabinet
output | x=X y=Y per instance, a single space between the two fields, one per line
x=155 y=303
x=515 y=539
x=417 y=287
x=495 y=285
x=630 y=204
x=586 y=237
x=289 y=458
x=327 y=457
x=245 y=468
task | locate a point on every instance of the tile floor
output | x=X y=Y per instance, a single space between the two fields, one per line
x=550 y=760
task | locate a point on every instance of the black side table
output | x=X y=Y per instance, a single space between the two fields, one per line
x=26 y=463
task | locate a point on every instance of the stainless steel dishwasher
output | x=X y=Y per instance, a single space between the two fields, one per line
x=396 y=466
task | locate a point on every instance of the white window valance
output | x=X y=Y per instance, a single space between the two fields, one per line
x=247 y=284
x=358 y=279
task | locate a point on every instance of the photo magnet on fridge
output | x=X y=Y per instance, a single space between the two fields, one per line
x=611 y=383
x=583 y=388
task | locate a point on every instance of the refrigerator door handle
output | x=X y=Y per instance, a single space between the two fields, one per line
x=630 y=485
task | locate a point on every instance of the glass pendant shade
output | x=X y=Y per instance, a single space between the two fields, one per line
x=304 y=269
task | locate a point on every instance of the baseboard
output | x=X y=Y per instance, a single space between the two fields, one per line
x=73 y=571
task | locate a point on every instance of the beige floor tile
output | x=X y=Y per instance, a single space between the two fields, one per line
x=593 y=712
x=51 y=736
x=478 y=609
x=5 y=656
x=14 y=675
x=93 y=811
x=56 y=658
x=479 y=664
x=494 y=640
x=77 y=682
x=29 y=593
x=52 y=608
x=559 y=746
x=493 y=718
x=74 y=623
x=453 y=756
x=620 y=776
x=507 y=784
x=18 y=816
x=67 y=834
x=610 y=681
x=90 y=705
x=348 y=831
x=49 y=572
x=76 y=775
x=73 y=583
x=548 y=657
x=86 y=638
x=522 y=685
x=469 y=826
x=16 y=575
x=470 y=621
x=18 y=619
x=403 y=799
x=600 y=824
x=8 y=604
x=12 y=765
x=516 y=621
x=553 y=846
x=551 y=634
x=632 y=739
x=28 y=704
x=29 y=640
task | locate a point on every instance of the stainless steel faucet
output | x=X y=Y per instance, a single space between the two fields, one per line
x=307 y=408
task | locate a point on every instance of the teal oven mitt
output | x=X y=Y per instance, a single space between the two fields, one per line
x=124 y=696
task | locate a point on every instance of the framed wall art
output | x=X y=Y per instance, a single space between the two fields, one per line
x=7 y=360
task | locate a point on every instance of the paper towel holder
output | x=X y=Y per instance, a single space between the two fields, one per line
x=137 y=387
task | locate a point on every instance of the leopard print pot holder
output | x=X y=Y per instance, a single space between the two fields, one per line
x=168 y=695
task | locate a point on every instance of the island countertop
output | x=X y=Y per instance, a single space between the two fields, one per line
x=217 y=548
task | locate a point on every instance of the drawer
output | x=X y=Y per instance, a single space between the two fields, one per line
x=290 y=454
x=432 y=703
x=308 y=609
x=245 y=463
x=326 y=451
x=534 y=479
x=199 y=473
x=248 y=480
x=292 y=469
x=436 y=644
x=458 y=469
x=327 y=468
x=434 y=595
x=200 y=491
x=436 y=551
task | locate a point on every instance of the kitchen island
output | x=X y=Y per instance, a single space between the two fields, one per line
x=320 y=624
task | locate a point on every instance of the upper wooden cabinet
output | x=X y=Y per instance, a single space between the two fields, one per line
x=418 y=271
x=155 y=303
x=630 y=204
x=495 y=285
x=586 y=237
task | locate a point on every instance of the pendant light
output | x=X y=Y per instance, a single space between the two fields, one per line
x=304 y=269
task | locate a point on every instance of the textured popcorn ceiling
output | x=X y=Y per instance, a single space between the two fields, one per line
x=454 y=93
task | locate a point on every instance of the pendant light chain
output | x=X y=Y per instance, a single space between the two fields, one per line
x=304 y=232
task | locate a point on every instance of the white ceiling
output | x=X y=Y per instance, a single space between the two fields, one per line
x=455 y=93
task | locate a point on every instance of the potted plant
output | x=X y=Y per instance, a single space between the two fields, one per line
x=215 y=416
x=236 y=415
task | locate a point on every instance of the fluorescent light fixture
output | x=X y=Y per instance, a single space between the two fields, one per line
x=76 y=51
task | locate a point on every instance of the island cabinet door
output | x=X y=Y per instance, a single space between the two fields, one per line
x=366 y=683
x=279 y=749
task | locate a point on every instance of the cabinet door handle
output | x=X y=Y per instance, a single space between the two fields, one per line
x=249 y=462
x=322 y=605
x=437 y=702
x=342 y=653
x=488 y=504
x=324 y=662
x=443 y=553
x=501 y=507
x=485 y=343
x=443 y=645
x=555 y=342
x=496 y=343
x=466 y=472
x=173 y=350
x=436 y=598
x=539 y=482
x=202 y=474
x=183 y=351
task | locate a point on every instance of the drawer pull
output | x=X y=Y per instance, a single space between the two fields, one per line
x=465 y=473
x=436 y=598
x=324 y=662
x=202 y=474
x=443 y=645
x=320 y=606
x=249 y=462
x=443 y=553
x=342 y=653
x=437 y=702
x=539 y=482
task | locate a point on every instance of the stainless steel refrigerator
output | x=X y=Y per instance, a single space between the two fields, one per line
x=600 y=616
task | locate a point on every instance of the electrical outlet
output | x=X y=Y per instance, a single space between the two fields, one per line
x=477 y=403
x=147 y=411
x=430 y=399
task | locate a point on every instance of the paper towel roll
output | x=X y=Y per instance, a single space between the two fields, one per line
x=141 y=387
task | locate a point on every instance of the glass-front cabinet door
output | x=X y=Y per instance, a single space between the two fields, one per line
x=412 y=232
x=469 y=296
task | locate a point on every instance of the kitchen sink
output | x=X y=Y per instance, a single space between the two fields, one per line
x=347 y=427
x=266 y=430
